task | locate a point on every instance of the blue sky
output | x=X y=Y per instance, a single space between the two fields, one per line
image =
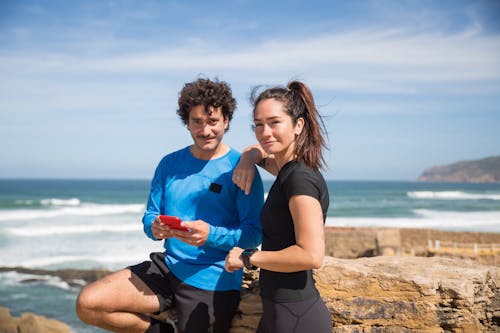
x=88 y=89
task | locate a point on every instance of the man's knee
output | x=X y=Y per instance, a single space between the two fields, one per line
x=87 y=304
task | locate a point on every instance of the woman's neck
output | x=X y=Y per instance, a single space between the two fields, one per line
x=284 y=157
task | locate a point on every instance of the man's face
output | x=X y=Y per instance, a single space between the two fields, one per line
x=207 y=130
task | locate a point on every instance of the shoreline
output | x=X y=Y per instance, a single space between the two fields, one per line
x=343 y=243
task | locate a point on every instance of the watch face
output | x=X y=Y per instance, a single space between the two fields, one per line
x=249 y=252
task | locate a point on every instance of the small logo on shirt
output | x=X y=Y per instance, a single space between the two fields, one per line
x=217 y=188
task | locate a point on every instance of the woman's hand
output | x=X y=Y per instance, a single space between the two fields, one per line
x=244 y=173
x=233 y=260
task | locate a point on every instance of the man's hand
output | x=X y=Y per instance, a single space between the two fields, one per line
x=161 y=231
x=198 y=234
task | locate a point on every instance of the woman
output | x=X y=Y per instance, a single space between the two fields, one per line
x=288 y=128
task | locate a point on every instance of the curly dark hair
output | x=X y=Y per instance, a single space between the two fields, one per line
x=209 y=94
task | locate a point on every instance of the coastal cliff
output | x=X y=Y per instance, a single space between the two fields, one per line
x=486 y=170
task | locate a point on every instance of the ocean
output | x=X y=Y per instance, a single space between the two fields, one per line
x=96 y=224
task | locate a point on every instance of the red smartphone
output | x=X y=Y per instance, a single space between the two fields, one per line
x=172 y=222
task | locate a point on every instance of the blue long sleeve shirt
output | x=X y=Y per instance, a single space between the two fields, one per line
x=194 y=189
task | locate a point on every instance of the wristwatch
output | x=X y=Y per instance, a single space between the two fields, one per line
x=245 y=256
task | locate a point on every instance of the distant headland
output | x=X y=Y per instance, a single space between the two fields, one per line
x=486 y=170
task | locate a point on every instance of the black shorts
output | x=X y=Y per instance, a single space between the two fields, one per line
x=198 y=310
x=295 y=317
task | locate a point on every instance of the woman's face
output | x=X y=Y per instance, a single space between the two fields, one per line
x=274 y=129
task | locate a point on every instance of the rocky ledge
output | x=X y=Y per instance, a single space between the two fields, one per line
x=399 y=294
x=379 y=294
x=380 y=286
x=30 y=323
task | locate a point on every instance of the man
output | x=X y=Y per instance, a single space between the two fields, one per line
x=194 y=184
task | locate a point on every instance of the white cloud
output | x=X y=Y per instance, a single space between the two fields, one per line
x=384 y=61
x=112 y=75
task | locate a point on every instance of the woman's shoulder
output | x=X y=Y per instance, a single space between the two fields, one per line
x=298 y=176
x=300 y=170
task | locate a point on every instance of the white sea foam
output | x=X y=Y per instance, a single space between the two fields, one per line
x=24 y=202
x=89 y=209
x=452 y=195
x=449 y=220
x=23 y=296
x=60 y=202
x=30 y=231
x=103 y=261
x=461 y=218
x=14 y=277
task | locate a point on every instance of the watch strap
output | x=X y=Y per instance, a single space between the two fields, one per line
x=245 y=256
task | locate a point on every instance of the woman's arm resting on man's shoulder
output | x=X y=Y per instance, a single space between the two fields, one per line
x=244 y=172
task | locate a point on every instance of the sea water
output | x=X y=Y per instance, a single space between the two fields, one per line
x=96 y=224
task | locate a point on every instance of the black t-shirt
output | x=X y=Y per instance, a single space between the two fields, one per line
x=279 y=233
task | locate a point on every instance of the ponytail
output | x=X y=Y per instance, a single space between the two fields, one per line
x=309 y=143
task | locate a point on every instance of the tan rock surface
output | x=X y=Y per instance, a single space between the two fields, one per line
x=385 y=294
x=400 y=294
x=30 y=323
x=351 y=243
